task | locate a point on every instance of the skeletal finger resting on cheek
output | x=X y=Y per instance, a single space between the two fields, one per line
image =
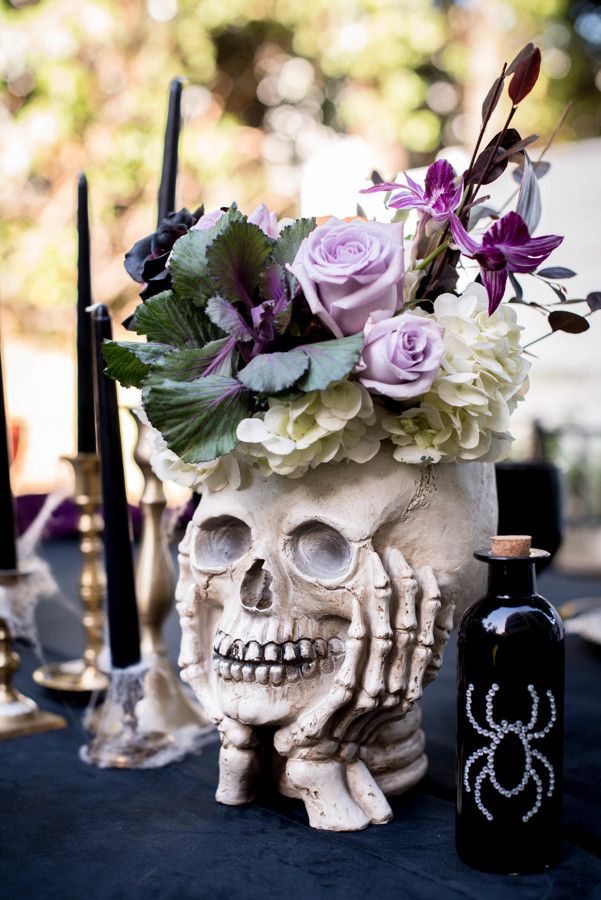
x=394 y=644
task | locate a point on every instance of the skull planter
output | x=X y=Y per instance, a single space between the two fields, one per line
x=313 y=613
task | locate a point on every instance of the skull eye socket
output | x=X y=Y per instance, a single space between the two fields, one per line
x=321 y=551
x=220 y=541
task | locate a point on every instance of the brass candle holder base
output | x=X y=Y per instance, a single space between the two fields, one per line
x=73 y=675
x=84 y=674
x=19 y=715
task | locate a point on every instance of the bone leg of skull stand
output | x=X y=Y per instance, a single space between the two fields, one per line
x=238 y=770
x=324 y=790
x=367 y=793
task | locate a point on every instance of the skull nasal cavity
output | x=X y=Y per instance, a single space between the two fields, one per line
x=255 y=591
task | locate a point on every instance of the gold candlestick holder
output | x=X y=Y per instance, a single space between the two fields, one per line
x=19 y=715
x=155 y=591
x=85 y=674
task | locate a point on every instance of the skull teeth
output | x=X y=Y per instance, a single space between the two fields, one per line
x=303 y=650
x=276 y=664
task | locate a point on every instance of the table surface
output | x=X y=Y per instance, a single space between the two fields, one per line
x=72 y=831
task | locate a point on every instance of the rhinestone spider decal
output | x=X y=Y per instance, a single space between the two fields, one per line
x=536 y=763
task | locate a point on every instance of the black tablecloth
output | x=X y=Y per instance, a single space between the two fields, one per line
x=70 y=831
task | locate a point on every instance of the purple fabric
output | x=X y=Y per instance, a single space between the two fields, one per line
x=63 y=522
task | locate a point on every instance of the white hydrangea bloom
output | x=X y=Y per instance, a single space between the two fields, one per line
x=322 y=426
x=166 y=465
x=465 y=414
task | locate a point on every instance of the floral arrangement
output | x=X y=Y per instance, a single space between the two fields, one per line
x=296 y=343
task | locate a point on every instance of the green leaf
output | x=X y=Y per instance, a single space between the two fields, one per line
x=330 y=361
x=270 y=373
x=172 y=320
x=188 y=264
x=188 y=364
x=129 y=362
x=236 y=259
x=311 y=367
x=287 y=245
x=290 y=240
x=198 y=419
x=228 y=319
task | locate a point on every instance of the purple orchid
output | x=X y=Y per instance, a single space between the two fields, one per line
x=505 y=247
x=437 y=200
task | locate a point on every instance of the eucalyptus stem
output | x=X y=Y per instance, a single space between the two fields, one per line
x=428 y=259
x=536 y=340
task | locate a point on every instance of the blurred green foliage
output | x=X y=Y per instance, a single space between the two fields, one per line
x=84 y=86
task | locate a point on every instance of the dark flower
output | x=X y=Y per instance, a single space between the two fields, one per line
x=146 y=262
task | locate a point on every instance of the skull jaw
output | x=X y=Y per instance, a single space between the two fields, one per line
x=266 y=704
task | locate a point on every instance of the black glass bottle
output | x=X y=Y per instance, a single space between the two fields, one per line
x=510 y=722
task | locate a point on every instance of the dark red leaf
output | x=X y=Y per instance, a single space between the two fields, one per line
x=522 y=55
x=525 y=76
x=485 y=169
x=594 y=301
x=509 y=143
x=561 y=320
x=484 y=160
x=507 y=139
x=492 y=98
x=515 y=153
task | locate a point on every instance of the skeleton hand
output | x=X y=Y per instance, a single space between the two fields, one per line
x=394 y=645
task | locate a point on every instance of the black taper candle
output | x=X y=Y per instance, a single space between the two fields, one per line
x=170 y=151
x=124 y=633
x=8 y=529
x=86 y=435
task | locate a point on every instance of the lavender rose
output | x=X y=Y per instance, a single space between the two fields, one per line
x=350 y=270
x=401 y=356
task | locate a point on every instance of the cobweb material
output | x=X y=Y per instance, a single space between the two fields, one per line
x=132 y=718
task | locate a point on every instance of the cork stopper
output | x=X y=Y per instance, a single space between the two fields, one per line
x=510 y=545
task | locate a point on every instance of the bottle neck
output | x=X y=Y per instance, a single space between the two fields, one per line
x=511 y=578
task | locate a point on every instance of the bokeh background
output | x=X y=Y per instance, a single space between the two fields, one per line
x=289 y=102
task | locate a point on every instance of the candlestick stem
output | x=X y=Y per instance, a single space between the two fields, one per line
x=155 y=591
x=155 y=572
x=19 y=715
x=84 y=674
